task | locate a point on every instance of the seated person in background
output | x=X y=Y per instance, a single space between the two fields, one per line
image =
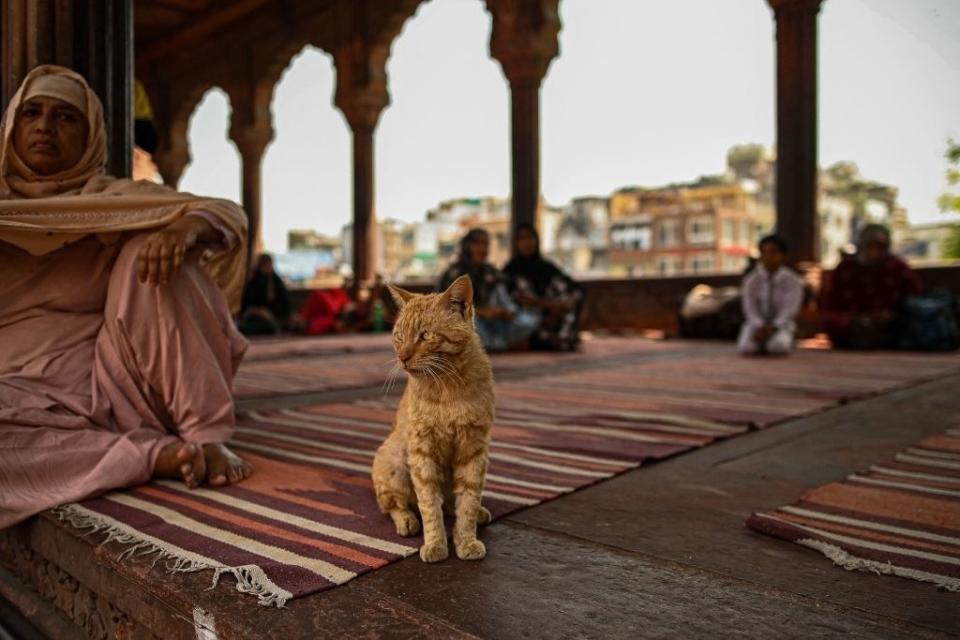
x=501 y=323
x=265 y=309
x=323 y=312
x=772 y=295
x=539 y=285
x=865 y=292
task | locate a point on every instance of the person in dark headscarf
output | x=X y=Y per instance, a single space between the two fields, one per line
x=865 y=293
x=266 y=306
x=501 y=323
x=540 y=285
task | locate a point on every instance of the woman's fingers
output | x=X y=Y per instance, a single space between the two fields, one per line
x=153 y=259
x=142 y=263
x=161 y=257
x=165 y=262
x=178 y=257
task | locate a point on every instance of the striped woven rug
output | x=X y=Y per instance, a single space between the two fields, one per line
x=311 y=365
x=307 y=519
x=728 y=388
x=293 y=346
x=901 y=517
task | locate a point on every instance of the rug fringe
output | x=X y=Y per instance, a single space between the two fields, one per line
x=851 y=562
x=250 y=579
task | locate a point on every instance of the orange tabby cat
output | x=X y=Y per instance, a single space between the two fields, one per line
x=436 y=455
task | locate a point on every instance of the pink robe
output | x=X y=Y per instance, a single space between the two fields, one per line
x=98 y=372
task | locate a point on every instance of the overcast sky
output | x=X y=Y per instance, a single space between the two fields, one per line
x=643 y=93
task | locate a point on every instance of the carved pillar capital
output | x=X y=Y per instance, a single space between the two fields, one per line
x=524 y=38
x=361 y=93
x=172 y=157
x=251 y=121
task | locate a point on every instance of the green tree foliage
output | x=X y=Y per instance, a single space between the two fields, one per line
x=949 y=200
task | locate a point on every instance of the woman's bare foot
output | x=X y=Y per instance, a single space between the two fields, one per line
x=182 y=461
x=224 y=466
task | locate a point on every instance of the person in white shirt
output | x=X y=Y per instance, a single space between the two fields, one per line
x=772 y=296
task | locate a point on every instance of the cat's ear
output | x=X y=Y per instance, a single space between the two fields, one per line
x=459 y=295
x=400 y=296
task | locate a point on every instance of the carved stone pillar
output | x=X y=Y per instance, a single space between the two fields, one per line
x=251 y=129
x=173 y=154
x=524 y=41
x=362 y=95
x=94 y=38
x=172 y=108
x=796 y=189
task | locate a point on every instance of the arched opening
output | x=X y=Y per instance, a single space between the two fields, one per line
x=214 y=169
x=442 y=146
x=306 y=173
x=647 y=94
x=889 y=97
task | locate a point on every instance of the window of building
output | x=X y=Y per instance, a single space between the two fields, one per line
x=729 y=232
x=700 y=230
x=734 y=264
x=669 y=234
x=669 y=265
x=745 y=236
x=702 y=264
x=634 y=237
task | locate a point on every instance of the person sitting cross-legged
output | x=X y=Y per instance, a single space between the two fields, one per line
x=865 y=294
x=501 y=323
x=772 y=295
x=117 y=347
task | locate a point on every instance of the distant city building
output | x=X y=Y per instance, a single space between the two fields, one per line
x=396 y=246
x=312 y=259
x=304 y=239
x=710 y=225
x=697 y=228
x=926 y=243
x=582 y=239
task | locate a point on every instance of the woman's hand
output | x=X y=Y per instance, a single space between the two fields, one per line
x=162 y=254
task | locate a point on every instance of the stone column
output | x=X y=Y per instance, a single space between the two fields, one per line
x=251 y=129
x=172 y=155
x=798 y=219
x=362 y=95
x=94 y=38
x=524 y=41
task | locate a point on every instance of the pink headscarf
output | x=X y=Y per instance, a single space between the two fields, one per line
x=17 y=180
x=41 y=214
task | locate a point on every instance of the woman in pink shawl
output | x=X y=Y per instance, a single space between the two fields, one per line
x=117 y=349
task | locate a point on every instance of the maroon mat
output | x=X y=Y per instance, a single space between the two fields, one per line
x=902 y=517
x=324 y=365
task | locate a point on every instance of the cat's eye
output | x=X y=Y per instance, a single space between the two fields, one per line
x=425 y=335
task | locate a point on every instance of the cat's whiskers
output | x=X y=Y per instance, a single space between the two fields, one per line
x=447 y=367
x=427 y=368
x=391 y=378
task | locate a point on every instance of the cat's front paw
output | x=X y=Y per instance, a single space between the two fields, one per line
x=471 y=550
x=434 y=552
x=407 y=524
x=483 y=516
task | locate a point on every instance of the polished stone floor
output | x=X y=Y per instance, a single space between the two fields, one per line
x=661 y=551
